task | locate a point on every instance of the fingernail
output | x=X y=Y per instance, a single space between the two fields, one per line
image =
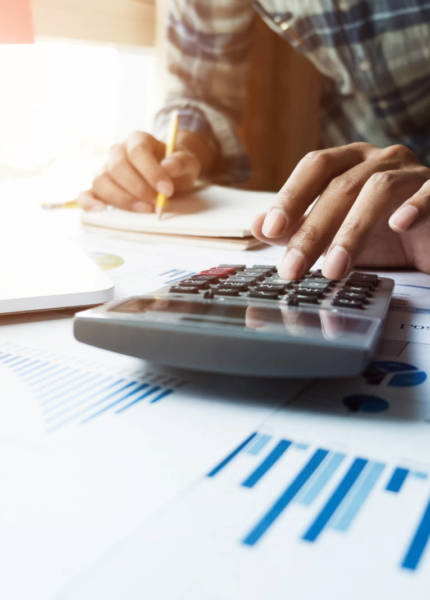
x=275 y=223
x=337 y=263
x=142 y=207
x=403 y=218
x=292 y=265
x=164 y=187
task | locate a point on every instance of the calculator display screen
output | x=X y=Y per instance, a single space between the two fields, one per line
x=330 y=325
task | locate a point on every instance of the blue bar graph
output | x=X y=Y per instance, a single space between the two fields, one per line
x=231 y=456
x=397 y=479
x=259 y=443
x=321 y=478
x=335 y=500
x=359 y=496
x=286 y=497
x=76 y=394
x=419 y=542
x=267 y=463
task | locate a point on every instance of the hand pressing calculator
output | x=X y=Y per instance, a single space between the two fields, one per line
x=248 y=321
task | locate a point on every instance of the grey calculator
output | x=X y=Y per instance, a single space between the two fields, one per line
x=246 y=320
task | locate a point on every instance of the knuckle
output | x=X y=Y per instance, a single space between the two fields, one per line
x=397 y=152
x=116 y=164
x=344 y=185
x=321 y=159
x=383 y=179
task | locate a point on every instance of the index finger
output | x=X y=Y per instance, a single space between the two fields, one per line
x=145 y=153
x=310 y=177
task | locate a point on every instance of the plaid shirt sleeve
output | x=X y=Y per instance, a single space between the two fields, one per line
x=207 y=58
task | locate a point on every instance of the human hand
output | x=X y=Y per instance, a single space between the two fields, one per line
x=136 y=170
x=372 y=210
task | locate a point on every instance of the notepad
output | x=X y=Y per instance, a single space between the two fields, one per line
x=213 y=215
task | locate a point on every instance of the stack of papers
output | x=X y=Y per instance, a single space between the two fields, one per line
x=217 y=216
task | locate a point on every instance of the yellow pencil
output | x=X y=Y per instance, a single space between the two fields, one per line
x=170 y=147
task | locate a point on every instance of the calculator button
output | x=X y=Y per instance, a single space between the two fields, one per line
x=271 y=287
x=225 y=292
x=240 y=286
x=364 y=276
x=263 y=294
x=243 y=280
x=362 y=282
x=347 y=303
x=310 y=292
x=236 y=267
x=266 y=267
x=306 y=299
x=314 y=285
x=357 y=288
x=219 y=272
x=206 y=278
x=179 y=289
x=353 y=295
x=195 y=283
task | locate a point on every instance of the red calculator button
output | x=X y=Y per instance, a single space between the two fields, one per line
x=219 y=271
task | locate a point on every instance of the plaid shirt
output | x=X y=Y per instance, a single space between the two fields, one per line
x=374 y=55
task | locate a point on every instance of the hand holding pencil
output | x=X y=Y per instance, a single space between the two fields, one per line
x=143 y=172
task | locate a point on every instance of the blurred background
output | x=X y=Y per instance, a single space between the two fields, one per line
x=92 y=74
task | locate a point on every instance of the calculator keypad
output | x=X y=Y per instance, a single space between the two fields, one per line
x=261 y=282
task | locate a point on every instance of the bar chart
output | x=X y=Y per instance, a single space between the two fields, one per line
x=174 y=275
x=336 y=487
x=72 y=392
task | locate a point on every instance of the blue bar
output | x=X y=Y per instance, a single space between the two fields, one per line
x=139 y=398
x=419 y=542
x=75 y=415
x=112 y=404
x=40 y=373
x=301 y=446
x=74 y=388
x=65 y=403
x=259 y=443
x=267 y=463
x=70 y=379
x=322 y=478
x=397 y=480
x=288 y=495
x=231 y=456
x=17 y=364
x=160 y=396
x=13 y=357
x=86 y=398
x=5 y=356
x=420 y=475
x=44 y=375
x=168 y=272
x=359 y=496
x=335 y=500
x=28 y=368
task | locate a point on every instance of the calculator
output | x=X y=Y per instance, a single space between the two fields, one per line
x=245 y=320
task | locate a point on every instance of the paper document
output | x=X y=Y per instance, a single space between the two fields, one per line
x=213 y=211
